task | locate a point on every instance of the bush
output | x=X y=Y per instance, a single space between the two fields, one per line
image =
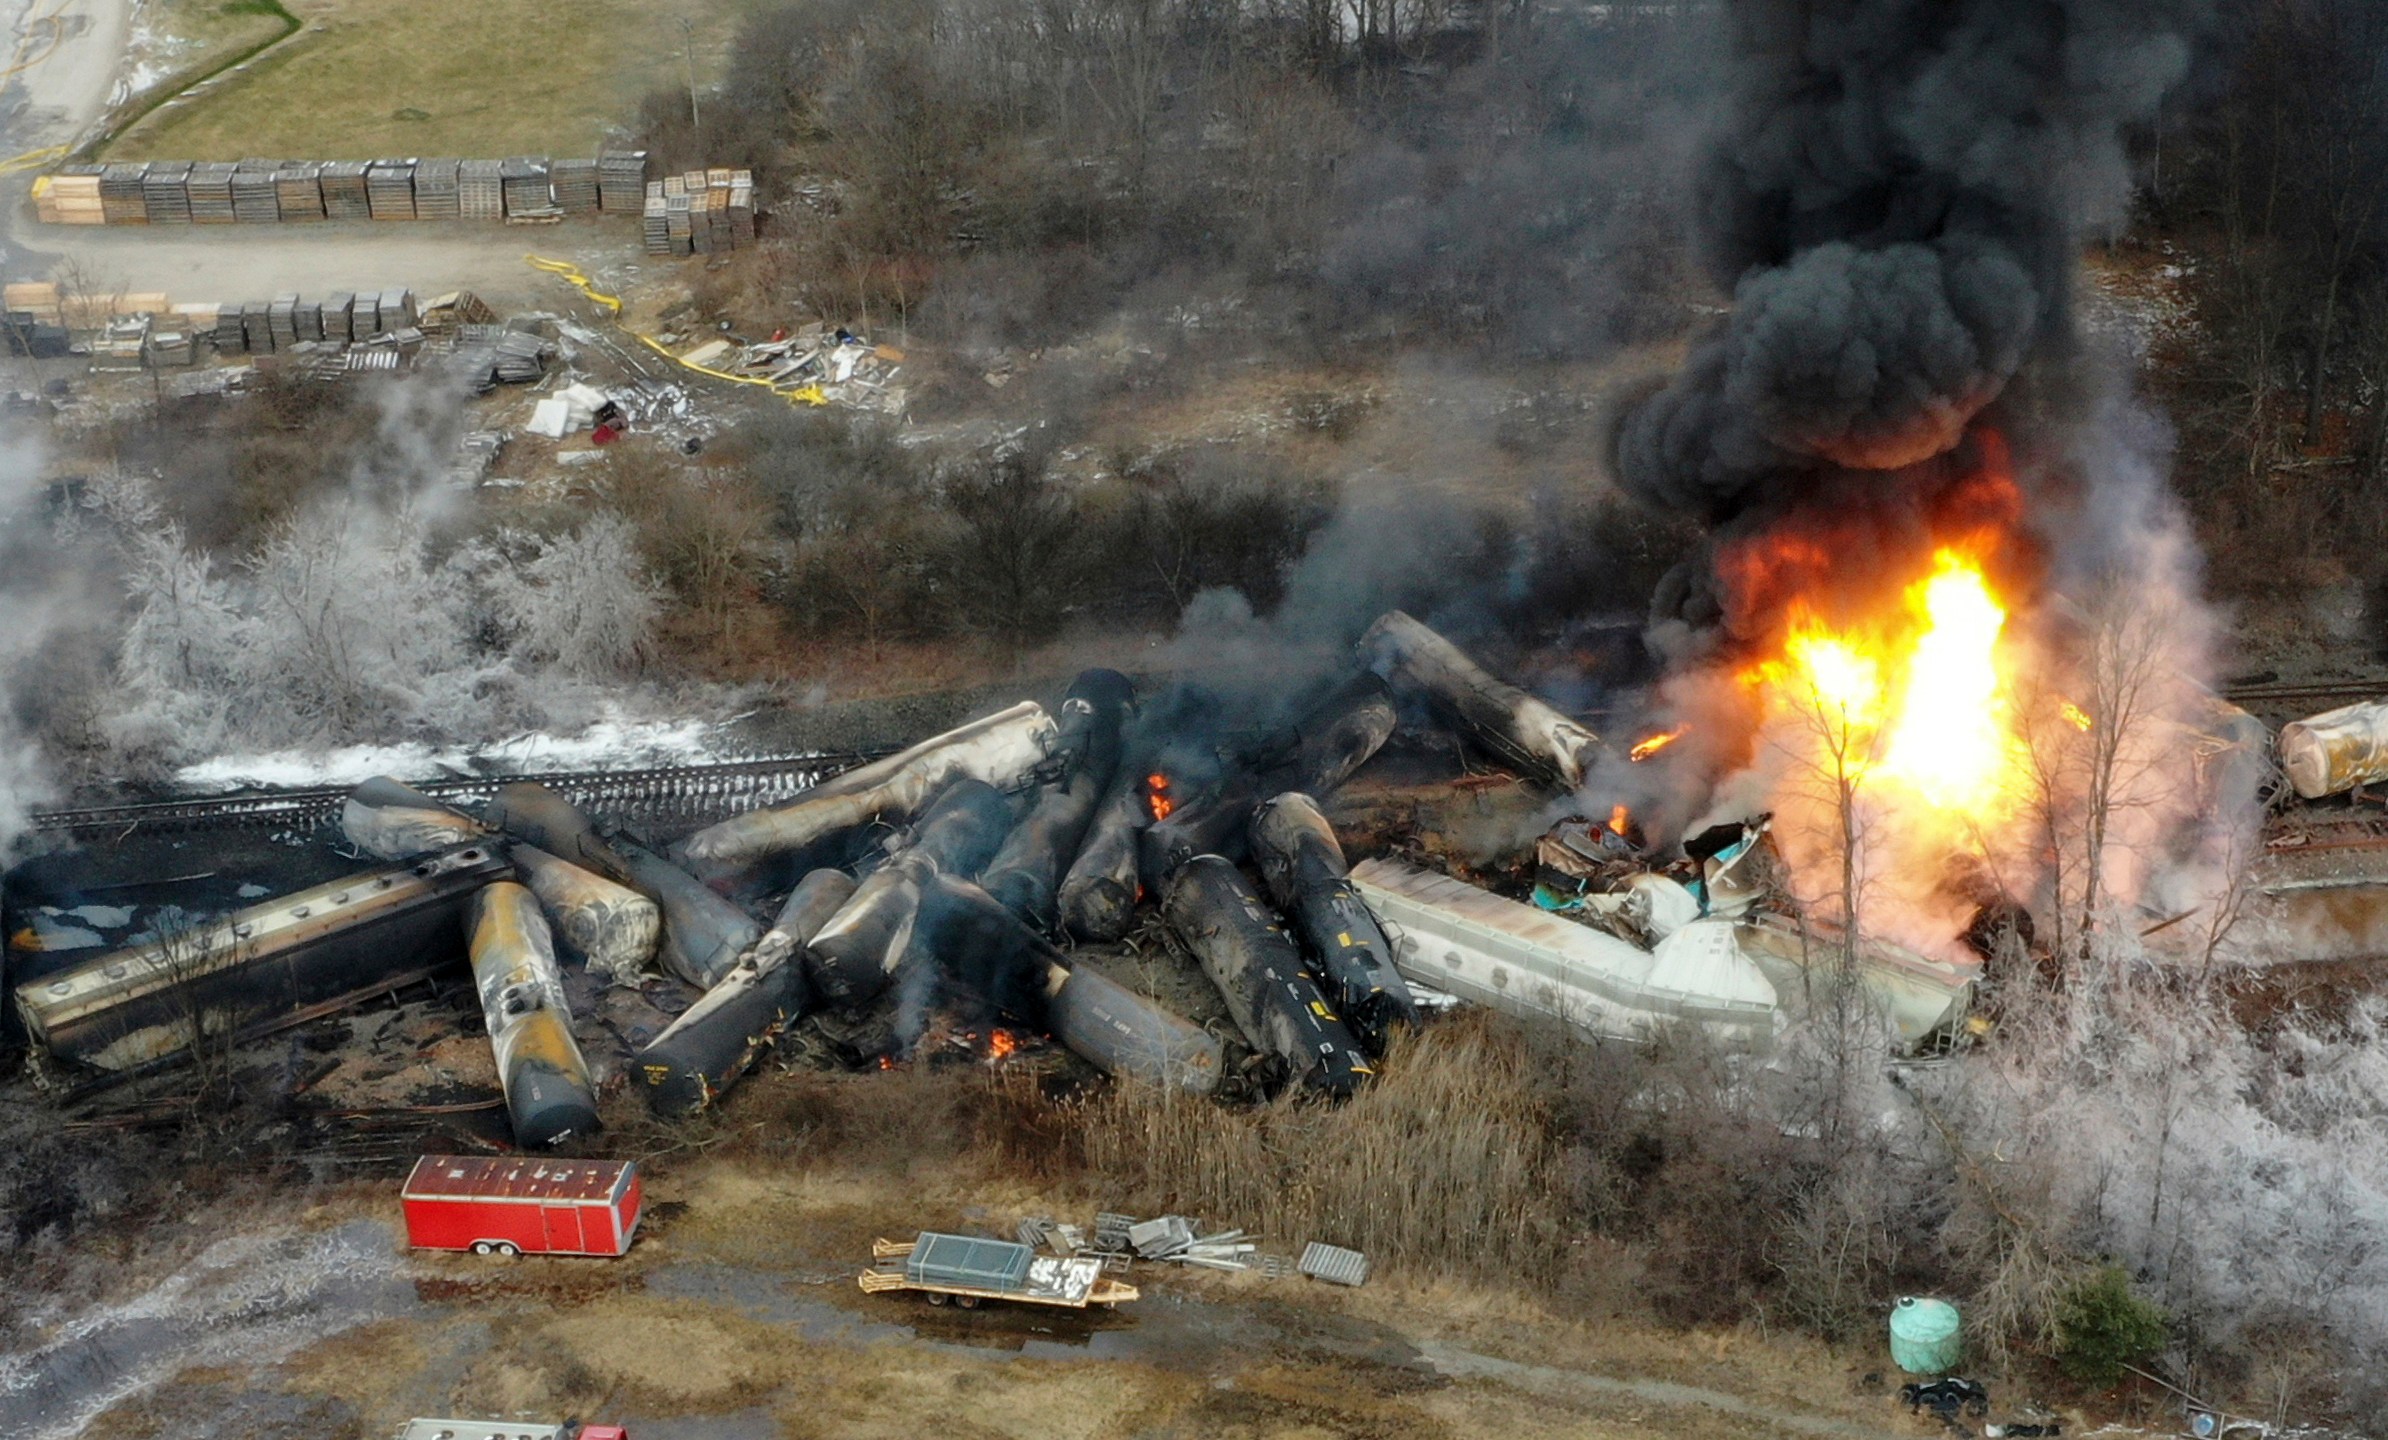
x=2102 y=1325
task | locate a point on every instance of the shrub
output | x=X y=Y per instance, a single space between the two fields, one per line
x=2102 y=1325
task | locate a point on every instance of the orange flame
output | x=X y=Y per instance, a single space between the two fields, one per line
x=1651 y=745
x=887 y=1062
x=1619 y=818
x=1899 y=726
x=2075 y=716
x=1156 y=791
x=1001 y=1046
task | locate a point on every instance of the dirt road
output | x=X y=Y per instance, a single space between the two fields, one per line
x=737 y=1317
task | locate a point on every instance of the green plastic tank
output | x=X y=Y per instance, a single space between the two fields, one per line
x=1925 y=1337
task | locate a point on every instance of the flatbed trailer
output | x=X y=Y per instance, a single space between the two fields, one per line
x=966 y=1269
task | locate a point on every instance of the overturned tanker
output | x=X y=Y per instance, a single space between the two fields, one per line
x=1505 y=720
x=857 y=954
x=391 y=821
x=1098 y=896
x=549 y=1095
x=967 y=938
x=1334 y=738
x=613 y=928
x=1302 y=866
x=1002 y=750
x=260 y=969
x=703 y=934
x=720 y=1037
x=1216 y=914
x=1026 y=873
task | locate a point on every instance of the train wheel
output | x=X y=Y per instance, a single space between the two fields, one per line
x=481 y=1247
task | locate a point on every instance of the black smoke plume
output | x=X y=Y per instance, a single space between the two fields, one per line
x=1894 y=200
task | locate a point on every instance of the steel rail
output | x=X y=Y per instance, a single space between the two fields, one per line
x=653 y=794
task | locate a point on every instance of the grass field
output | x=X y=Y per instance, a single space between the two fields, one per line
x=465 y=78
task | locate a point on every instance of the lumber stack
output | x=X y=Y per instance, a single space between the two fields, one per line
x=575 y=183
x=525 y=181
x=298 y=191
x=345 y=196
x=70 y=197
x=255 y=199
x=622 y=182
x=166 y=193
x=437 y=192
x=390 y=189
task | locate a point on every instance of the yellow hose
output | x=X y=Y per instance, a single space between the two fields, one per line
x=572 y=275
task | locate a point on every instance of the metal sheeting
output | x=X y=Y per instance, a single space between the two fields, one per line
x=1334 y=1264
x=968 y=1260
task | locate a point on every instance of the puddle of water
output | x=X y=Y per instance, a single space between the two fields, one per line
x=248 y=1300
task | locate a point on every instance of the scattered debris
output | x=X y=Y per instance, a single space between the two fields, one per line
x=1334 y=1264
x=1947 y=1398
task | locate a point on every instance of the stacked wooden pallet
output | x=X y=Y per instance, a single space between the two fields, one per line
x=281 y=318
x=165 y=192
x=742 y=207
x=121 y=201
x=397 y=310
x=390 y=189
x=257 y=327
x=209 y=190
x=229 y=336
x=437 y=193
x=335 y=315
x=298 y=191
x=255 y=200
x=622 y=182
x=655 y=221
x=344 y=194
x=364 y=315
x=524 y=178
x=481 y=193
x=575 y=183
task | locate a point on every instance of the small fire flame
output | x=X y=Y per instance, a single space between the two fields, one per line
x=1156 y=792
x=1001 y=1046
x=1619 y=819
x=1651 y=745
x=887 y=1062
x=2076 y=717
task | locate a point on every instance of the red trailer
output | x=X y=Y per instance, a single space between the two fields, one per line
x=515 y=1205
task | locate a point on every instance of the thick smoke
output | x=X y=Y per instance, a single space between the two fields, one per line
x=1894 y=203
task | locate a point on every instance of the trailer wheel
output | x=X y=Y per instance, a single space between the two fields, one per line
x=967 y=1302
x=482 y=1247
x=508 y=1247
x=936 y=1298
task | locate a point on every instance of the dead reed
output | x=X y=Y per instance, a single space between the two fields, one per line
x=1444 y=1164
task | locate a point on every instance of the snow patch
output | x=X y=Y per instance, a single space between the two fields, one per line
x=608 y=744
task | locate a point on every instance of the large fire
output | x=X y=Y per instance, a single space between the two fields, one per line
x=1899 y=732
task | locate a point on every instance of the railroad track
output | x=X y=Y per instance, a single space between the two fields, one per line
x=2319 y=695
x=665 y=794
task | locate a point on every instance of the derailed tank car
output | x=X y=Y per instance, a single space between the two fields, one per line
x=261 y=969
x=1216 y=914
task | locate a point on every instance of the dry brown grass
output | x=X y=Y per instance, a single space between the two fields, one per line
x=1444 y=1163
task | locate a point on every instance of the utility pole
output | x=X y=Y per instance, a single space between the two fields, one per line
x=688 y=50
